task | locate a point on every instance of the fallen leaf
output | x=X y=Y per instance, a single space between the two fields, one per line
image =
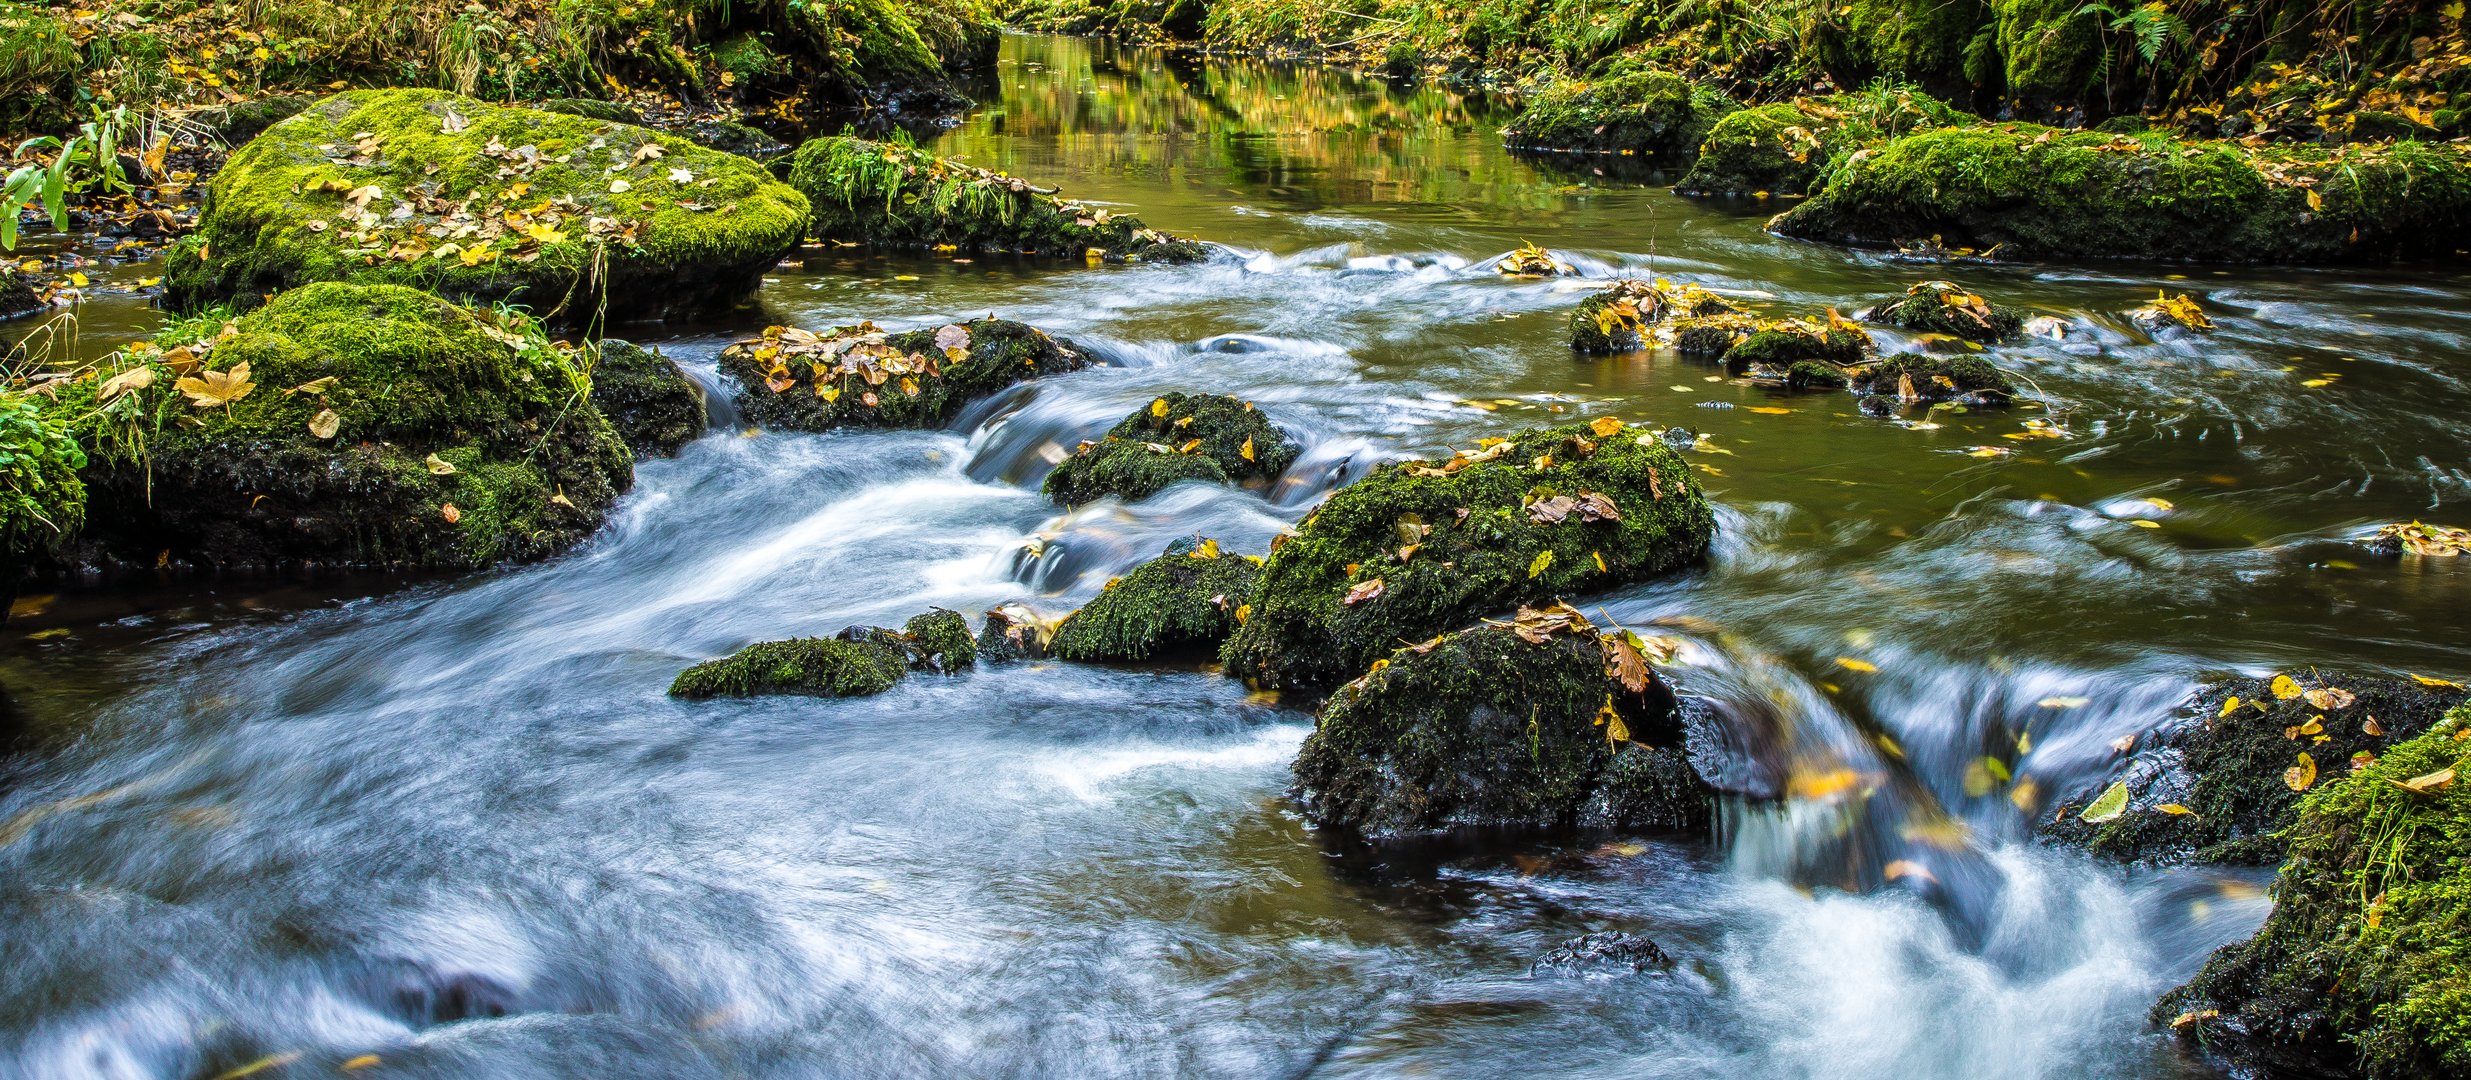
x=2285 y=688
x=2228 y=704
x=325 y=424
x=1543 y=560
x=2424 y=680
x=1615 y=732
x=2176 y=810
x=2110 y=804
x=127 y=382
x=1850 y=664
x=2302 y=776
x=2330 y=698
x=1905 y=868
x=1246 y=451
x=2064 y=702
x=210 y=388
x=2422 y=785
x=1605 y=426
x=451 y=514
x=1364 y=592
x=439 y=466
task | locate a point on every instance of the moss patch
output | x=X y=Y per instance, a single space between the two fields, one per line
x=646 y=398
x=1653 y=113
x=861 y=660
x=1615 y=318
x=1181 y=603
x=896 y=195
x=1416 y=547
x=1934 y=378
x=1918 y=41
x=560 y=212
x=1789 y=147
x=1776 y=347
x=1945 y=307
x=1207 y=437
x=861 y=376
x=42 y=501
x=2360 y=968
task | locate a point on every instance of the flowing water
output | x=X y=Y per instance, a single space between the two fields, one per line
x=458 y=826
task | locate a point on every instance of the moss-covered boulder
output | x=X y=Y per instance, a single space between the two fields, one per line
x=476 y=202
x=345 y=425
x=861 y=660
x=1788 y=147
x=894 y=194
x=864 y=376
x=1924 y=377
x=2359 y=970
x=2227 y=755
x=2049 y=51
x=1775 y=347
x=1182 y=603
x=2045 y=193
x=1420 y=547
x=1616 y=318
x=1525 y=725
x=1652 y=113
x=1706 y=337
x=881 y=56
x=652 y=404
x=1212 y=438
x=1945 y=307
x=1014 y=632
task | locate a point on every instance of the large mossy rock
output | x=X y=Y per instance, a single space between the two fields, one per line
x=2360 y=969
x=1925 y=377
x=2226 y=756
x=1182 y=603
x=1522 y=725
x=1657 y=115
x=1788 y=147
x=381 y=427
x=894 y=194
x=2044 y=193
x=861 y=660
x=652 y=404
x=1212 y=438
x=862 y=376
x=1417 y=547
x=477 y=203
x=1945 y=307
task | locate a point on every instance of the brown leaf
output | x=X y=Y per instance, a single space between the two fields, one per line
x=1364 y=592
x=1623 y=661
x=1598 y=506
x=451 y=514
x=2422 y=785
x=210 y=388
x=2330 y=698
x=1551 y=511
x=325 y=424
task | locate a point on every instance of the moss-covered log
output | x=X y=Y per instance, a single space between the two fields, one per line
x=1182 y=603
x=1945 y=307
x=862 y=376
x=1652 y=113
x=2044 y=193
x=478 y=202
x=1501 y=726
x=1789 y=147
x=861 y=660
x=646 y=398
x=1418 y=547
x=894 y=194
x=2359 y=971
x=1211 y=438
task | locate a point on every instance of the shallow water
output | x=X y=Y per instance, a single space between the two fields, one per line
x=459 y=827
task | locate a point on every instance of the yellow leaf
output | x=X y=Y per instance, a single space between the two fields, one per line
x=2285 y=688
x=325 y=424
x=439 y=466
x=1601 y=568
x=77 y=279
x=2176 y=810
x=1850 y=664
x=1158 y=408
x=2302 y=776
x=1615 y=731
x=451 y=514
x=210 y=388
x=2064 y=702
x=1821 y=785
x=1243 y=614
x=909 y=386
x=1207 y=550
x=2315 y=201
x=479 y=253
x=543 y=234
x=1769 y=410
x=356 y=1064
x=1605 y=427
x=127 y=382
x=2109 y=805
x=1544 y=560
x=2228 y=704
x=1905 y=868
x=1246 y=451
x=2424 y=784
x=2424 y=680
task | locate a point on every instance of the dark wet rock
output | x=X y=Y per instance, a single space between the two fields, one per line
x=653 y=405
x=1182 y=603
x=1418 y=547
x=1652 y=113
x=1605 y=952
x=1930 y=378
x=1945 y=307
x=896 y=195
x=861 y=660
x=2169 y=317
x=1013 y=632
x=863 y=376
x=2226 y=762
x=18 y=298
x=1212 y=438
x=1500 y=726
x=2358 y=970
x=1707 y=337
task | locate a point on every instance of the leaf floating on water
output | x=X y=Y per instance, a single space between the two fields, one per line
x=2422 y=785
x=1768 y=410
x=1821 y=785
x=1863 y=666
x=2302 y=776
x=2176 y=810
x=1997 y=768
x=2285 y=688
x=2064 y=702
x=1544 y=560
x=325 y=424
x=1906 y=868
x=356 y=1064
x=2112 y=803
x=1364 y=592
x=207 y=389
x=2330 y=698
x=270 y=1061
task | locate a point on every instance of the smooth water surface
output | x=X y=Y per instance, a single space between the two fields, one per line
x=459 y=827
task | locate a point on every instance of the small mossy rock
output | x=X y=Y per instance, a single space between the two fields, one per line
x=862 y=376
x=431 y=406
x=1656 y=114
x=1615 y=319
x=1706 y=337
x=940 y=641
x=816 y=667
x=1416 y=548
x=565 y=213
x=894 y=194
x=2226 y=760
x=2046 y=193
x=652 y=404
x=1013 y=632
x=1182 y=603
x=1775 y=347
x=1497 y=726
x=1945 y=307
x=1921 y=377
x=1788 y=147
x=1212 y=438
x=2359 y=969
x=1815 y=375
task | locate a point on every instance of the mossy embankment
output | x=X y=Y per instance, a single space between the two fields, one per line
x=1416 y=547
x=476 y=202
x=864 y=376
x=861 y=660
x=894 y=194
x=1790 y=147
x=1182 y=603
x=1209 y=438
x=1644 y=111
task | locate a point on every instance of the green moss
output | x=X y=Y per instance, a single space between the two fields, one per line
x=2360 y=968
x=282 y=211
x=1653 y=113
x=646 y=398
x=242 y=121
x=1814 y=375
x=2040 y=192
x=1934 y=378
x=890 y=55
x=897 y=195
x=1478 y=547
x=1483 y=728
x=860 y=376
x=1789 y=147
x=1945 y=307
x=1707 y=337
x=607 y=112
x=38 y=61
x=1182 y=603
x=42 y=501
x=1921 y=41
x=1212 y=438
x=817 y=667
x=1775 y=347
x=2050 y=51
x=534 y=466
x=940 y=641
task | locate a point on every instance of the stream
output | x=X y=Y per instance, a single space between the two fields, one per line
x=459 y=826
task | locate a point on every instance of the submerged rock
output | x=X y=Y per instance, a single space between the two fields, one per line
x=652 y=404
x=1184 y=602
x=346 y=425
x=1610 y=951
x=1945 y=307
x=1211 y=438
x=1416 y=547
x=1530 y=724
x=864 y=376
x=2358 y=970
x=2171 y=316
x=2225 y=758
x=1788 y=147
x=1656 y=114
x=478 y=202
x=897 y=195
x=1013 y=632
x=2048 y=193
x=1921 y=377
x=862 y=660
